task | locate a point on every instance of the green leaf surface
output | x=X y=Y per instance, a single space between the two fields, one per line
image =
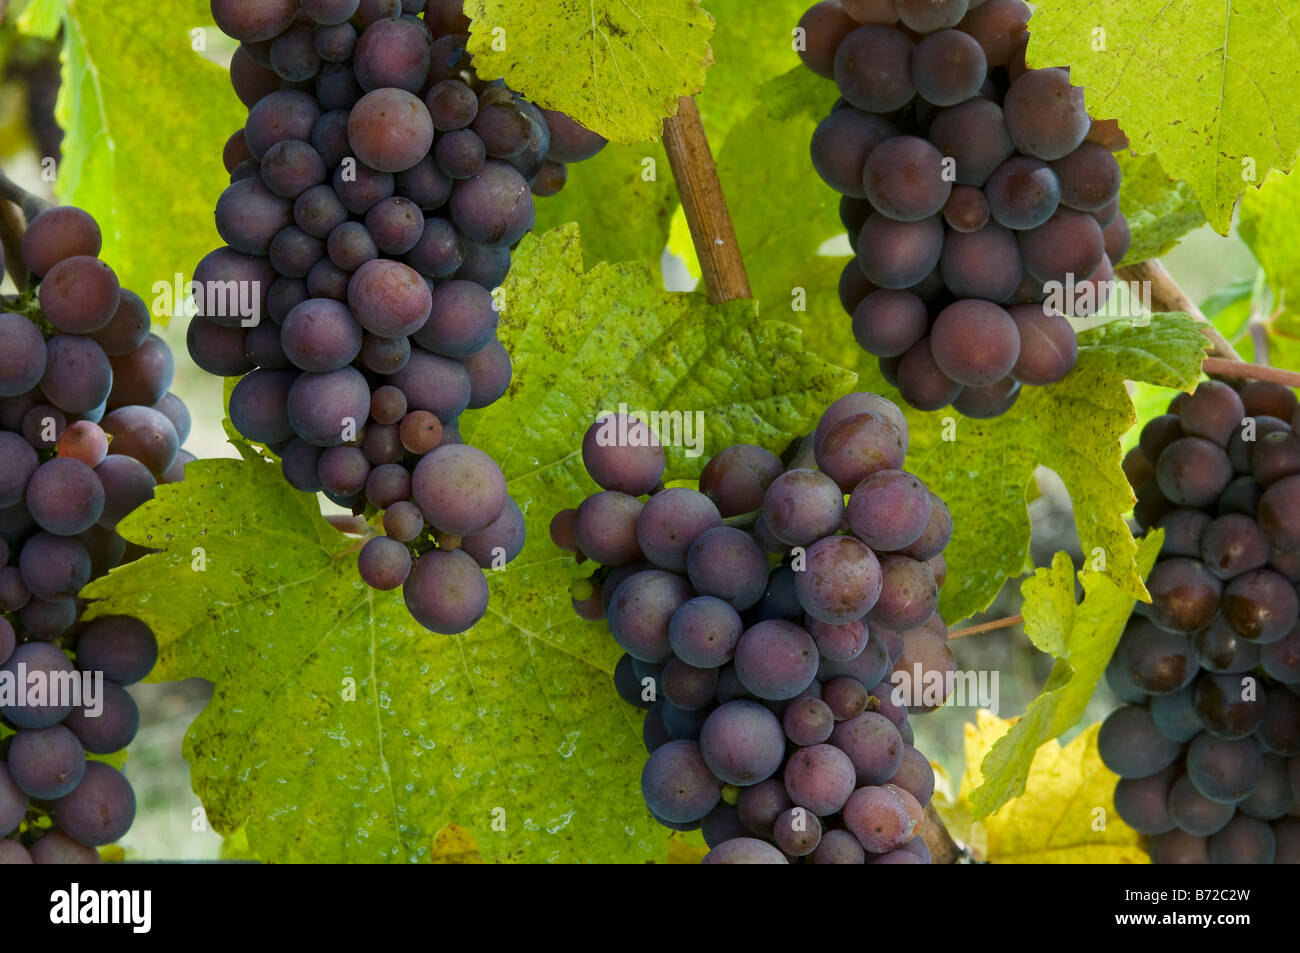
x=1211 y=88
x=609 y=336
x=516 y=715
x=1159 y=210
x=798 y=93
x=1269 y=228
x=141 y=154
x=623 y=198
x=627 y=218
x=617 y=68
x=1082 y=638
x=752 y=45
x=779 y=243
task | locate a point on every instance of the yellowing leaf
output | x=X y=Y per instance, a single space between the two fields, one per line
x=1211 y=88
x=685 y=849
x=616 y=67
x=455 y=845
x=1082 y=639
x=1065 y=816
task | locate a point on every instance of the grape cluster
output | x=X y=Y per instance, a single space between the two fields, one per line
x=88 y=429
x=377 y=189
x=1208 y=744
x=762 y=618
x=980 y=199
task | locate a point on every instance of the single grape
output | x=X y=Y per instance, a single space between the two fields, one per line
x=1046 y=116
x=878 y=818
x=841 y=582
x=948 y=67
x=981 y=264
x=446 y=591
x=109 y=726
x=1143 y=803
x=737 y=478
x=1223 y=769
x=726 y=562
x=641 y=611
x=677 y=784
x=46 y=763
x=1261 y=605
x=899 y=255
x=742 y=743
x=1132 y=746
x=1194 y=813
x=384 y=563
x=1244 y=840
x=776 y=659
x=904 y=179
x=744 y=850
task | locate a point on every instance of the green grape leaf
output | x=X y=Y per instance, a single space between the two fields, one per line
x=616 y=339
x=339 y=730
x=144 y=156
x=41 y=18
x=1159 y=210
x=623 y=198
x=980 y=467
x=1268 y=227
x=1081 y=638
x=750 y=47
x=621 y=68
x=780 y=234
x=1209 y=88
x=798 y=93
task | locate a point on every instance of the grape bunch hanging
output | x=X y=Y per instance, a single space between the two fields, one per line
x=981 y=201
x=762 y=618
x=1208 y=744
x=88 y=429
x=377 y=189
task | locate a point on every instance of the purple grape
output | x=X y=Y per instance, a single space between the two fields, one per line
x=742 y=743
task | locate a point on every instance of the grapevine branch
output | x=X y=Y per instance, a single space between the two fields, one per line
x=987 y=626
x=705 y=205
x=1224 y=360
x=726 y=280
x=1167 y=296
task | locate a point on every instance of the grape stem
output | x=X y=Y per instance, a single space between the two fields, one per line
x=1167 y=296
x=943 y=849
x=705 y=205
x=1224 y=359
x=1254 y=372
x=987 y=626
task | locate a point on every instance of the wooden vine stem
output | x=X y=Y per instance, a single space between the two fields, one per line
x=1224 y=361
x=726 y=280
x=705 y=205
x=987 y=626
